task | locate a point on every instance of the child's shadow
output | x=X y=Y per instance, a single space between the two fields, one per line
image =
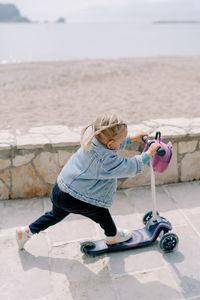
x=189 y=285
x=84 y=283
x=78 y=278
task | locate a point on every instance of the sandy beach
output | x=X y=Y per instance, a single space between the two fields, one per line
x=73 y=93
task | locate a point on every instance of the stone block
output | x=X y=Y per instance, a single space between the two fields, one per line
x=170 y=132
x=5 y=147
x=26 y=184
x=64 y=138
x=195 y=122
x=152 y=124
x=46 y=164
x=184 y=262
x=6 y=137
x=122 y=208
x=31 y=141
x=131 y=221
x=137 y=261
x=24 y=274
x=2 y=205
x=76 y=276
x=195 y=220
x=153 y=284
x=5 y=176
x=24 y=211
x=4 y=191
x=48 y=130
x=195 y=127
x=66 y=230
x=77 y=129
x=190 y=166
x=138 y=128
x=194 y=132
x=185 y=195
x=63 y=157
x=141 y=197
x=20 y=160
x=185 y=147
x=4 y=163
x=174 y=122
x=140 y=179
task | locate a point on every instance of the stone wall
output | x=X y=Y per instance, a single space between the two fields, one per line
x=31 y=161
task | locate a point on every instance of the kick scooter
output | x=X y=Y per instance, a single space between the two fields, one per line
x=154 y=225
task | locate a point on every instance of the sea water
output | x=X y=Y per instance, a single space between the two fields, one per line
x=54 y=42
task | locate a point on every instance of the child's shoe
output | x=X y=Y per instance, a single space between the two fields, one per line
x=23 y=234
x=122 y=235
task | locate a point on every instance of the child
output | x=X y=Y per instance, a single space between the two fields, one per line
x=87 y=183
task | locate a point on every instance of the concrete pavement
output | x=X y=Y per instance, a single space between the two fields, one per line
x=52 y=267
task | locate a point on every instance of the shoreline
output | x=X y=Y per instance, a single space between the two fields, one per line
x=151 y=57
x=74 y=92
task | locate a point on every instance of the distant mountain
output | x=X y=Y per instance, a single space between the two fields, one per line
x=60 y=20
x=9 y=13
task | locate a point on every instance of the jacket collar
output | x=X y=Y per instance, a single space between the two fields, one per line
x=100 y=148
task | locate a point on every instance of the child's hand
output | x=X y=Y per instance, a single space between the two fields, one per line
x=153 y=148
x=138 y=137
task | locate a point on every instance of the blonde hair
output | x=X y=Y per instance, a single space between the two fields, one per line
x=104 y=128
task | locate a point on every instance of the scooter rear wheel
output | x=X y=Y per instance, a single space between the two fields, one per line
x=86 y=245
x=169 y=242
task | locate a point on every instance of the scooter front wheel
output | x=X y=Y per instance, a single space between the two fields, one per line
x=148 y=216
x=169 y=242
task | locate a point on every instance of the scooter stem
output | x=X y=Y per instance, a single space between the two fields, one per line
x=153 y=192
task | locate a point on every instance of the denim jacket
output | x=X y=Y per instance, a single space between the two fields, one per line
x=91 y=176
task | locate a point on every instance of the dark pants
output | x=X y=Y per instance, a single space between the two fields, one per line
x=64 y=204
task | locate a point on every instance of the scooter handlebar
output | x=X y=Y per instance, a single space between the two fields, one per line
x=148 y=141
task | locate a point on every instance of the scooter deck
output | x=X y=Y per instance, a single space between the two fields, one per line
x=139 y=238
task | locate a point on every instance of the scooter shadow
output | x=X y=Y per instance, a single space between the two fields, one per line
x=132 y=268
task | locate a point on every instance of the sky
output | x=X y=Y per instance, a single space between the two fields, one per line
x=108 y=10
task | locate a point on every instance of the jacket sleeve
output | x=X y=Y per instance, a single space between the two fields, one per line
x=120 y=167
